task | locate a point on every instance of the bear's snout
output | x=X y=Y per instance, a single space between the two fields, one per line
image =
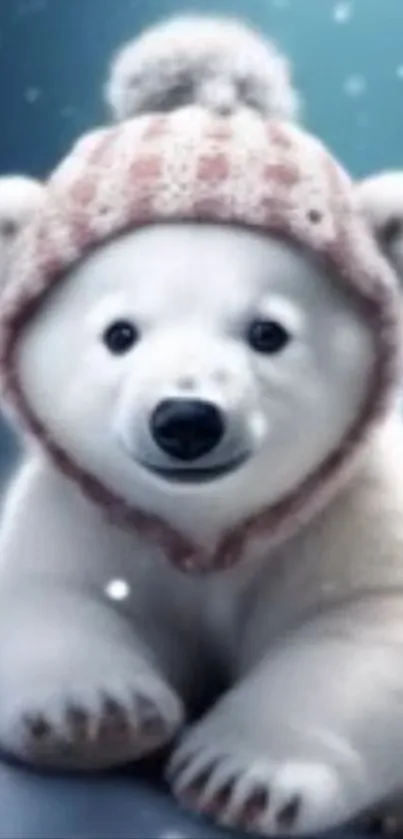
x=187 y=429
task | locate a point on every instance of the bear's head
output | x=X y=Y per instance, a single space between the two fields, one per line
x=200 y=326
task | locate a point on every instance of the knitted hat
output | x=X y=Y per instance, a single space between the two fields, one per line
x=190 y=164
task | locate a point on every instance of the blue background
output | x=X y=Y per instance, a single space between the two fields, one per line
x=348 y=59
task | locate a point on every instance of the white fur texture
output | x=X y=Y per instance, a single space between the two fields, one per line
x=20 y=198
x=220 y=64
x=381 y=197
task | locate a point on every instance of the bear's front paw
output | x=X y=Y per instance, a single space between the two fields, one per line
x=86 y=717
x=248 y=790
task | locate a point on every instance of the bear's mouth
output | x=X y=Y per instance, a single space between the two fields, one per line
x=196 y=475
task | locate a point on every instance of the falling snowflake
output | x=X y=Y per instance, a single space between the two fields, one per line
x=280 y=4
x=32 y=94
x=355 y=85
x=399 y=71
x=118 y=590
x=343 y=11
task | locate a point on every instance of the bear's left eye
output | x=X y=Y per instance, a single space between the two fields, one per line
x=268 y=337
x=120 y=337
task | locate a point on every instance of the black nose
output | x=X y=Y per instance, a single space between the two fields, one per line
x=187 y=429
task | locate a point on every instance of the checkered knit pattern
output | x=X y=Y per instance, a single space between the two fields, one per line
x=189 y=165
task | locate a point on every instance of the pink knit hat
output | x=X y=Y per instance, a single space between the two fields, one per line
x=191 y=164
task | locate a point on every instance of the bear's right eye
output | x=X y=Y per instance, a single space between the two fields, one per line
x=120 y=337
x=268 y=337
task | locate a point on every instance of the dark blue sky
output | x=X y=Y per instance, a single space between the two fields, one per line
x=348 y=59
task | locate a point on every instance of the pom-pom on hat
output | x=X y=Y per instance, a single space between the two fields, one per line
x=251 y=165
x=219 y=64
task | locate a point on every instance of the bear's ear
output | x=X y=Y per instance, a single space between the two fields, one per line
x=381 y=198
x=20 y=199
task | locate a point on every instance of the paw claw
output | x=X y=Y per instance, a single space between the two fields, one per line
x=194 y=791
x=220 y=802
x=289 y=813
x=150 y=721
x=113 y=710
x=253 y=808
x=77 y=724
x=38 y=728
x=113 y=722
x=219 y=789
x=190 y=773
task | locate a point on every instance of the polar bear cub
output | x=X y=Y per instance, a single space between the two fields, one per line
x=203 y=546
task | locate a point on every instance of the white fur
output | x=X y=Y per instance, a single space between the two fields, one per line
x=20 y=198
x=218 y=63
